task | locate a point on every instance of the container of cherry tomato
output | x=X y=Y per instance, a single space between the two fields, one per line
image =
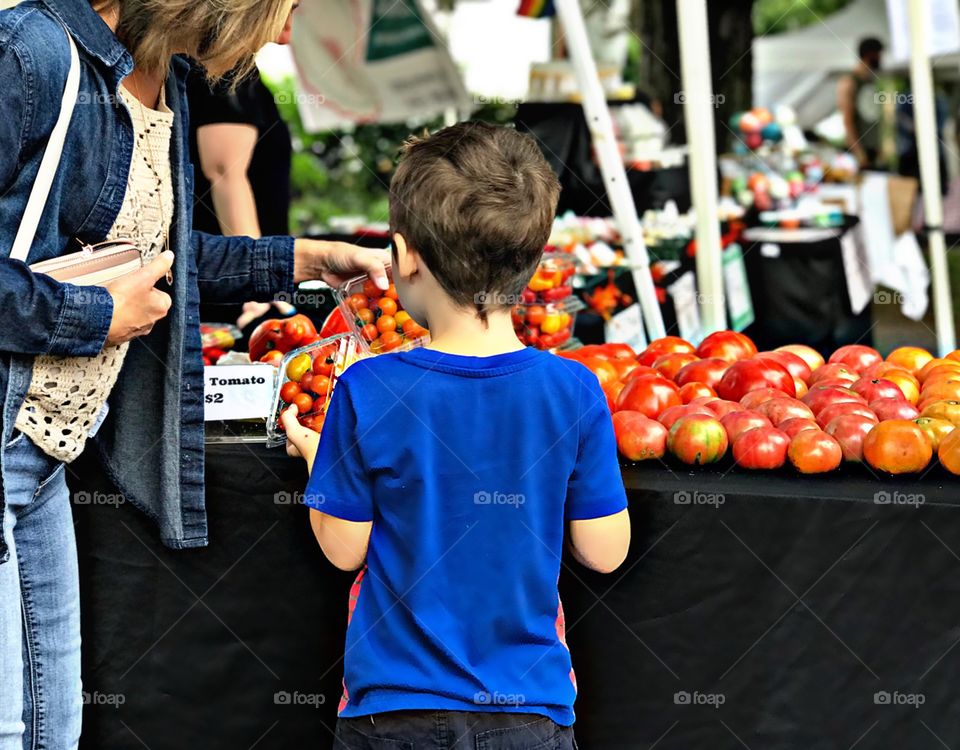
x=307 y=377
x=546 y=326
x=378 y=318
x=553 y=280
x=217 y=339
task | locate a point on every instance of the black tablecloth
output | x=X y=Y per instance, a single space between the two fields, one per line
x=759 y=611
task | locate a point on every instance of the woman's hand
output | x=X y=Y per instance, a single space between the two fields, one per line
x=300 y=441
x=336 y=262
x=137 y=303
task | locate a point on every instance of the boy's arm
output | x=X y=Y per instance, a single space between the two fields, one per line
x=301 y=441
x=343 y=542
x=601 y=544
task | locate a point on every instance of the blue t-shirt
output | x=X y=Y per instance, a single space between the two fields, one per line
x=468 y=468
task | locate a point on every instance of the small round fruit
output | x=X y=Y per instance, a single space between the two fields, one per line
x=288 y=391
x=371 y=290
x=303 y=402
x=323 y=364
x=910 y=358
x=403 y=316
x=949 y=452
x=693 y=390
x=392 y=292
x=386 y=323
x=369 y=332
x=390 y=340
x=357 y=302
x=387 y=306
x=365 y=315
x=297 y=366
x=797 y=424
x=639 y=438
x=320 y=385
x=935 y=429
x=814 y=452
x=897 y=446
x=697 y=439
x=761 y=448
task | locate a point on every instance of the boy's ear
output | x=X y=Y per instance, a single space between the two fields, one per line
x=405 y=257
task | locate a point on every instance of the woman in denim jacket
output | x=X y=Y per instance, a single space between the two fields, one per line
x=67 y=351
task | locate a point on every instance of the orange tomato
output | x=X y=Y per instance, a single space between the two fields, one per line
x=954 y=355
x=387 y=306
x=693 y=390
x=273 y=357
x=392 y=292
x=289 y=391
x=303 y=402
x=402 y=317
x=369 y=332
x=366 y=315
x=535 y=315
x=944 y=390
x=907 y=384
x=814 y=452
x=371 y=290
x=390 y=340
x=605 y=371
x=910 y=358
x=948 y=410
x=386 y=323
x=932 y=364
x=935 y=429
x=949 y=452
x=320 y=385
x=897 y=446
x=670 y=364
x=357 y=302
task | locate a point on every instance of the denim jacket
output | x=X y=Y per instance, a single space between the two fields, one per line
x=151 y=445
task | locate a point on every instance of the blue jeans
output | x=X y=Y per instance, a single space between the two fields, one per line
x=40 y=693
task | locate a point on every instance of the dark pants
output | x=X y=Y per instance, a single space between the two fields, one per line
x=452 y=730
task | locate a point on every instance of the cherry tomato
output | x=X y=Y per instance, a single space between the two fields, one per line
x=387 y=306
x=303 y=402
x=371 y=290
x=320 y=386
x=402 y=317
x=409 y=326
x=289 y=391
x=535 y=315
x=391 y=292
x=386 y=323
x=323 y=365
x=356 y=302
x=369 y=332
x=306 y=381
x=390 y=340
x=273 y=357
x=298 y=366
x=366 y=315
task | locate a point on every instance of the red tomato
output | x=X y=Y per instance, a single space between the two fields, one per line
x=356 y=302
x=798 y=424
x=814 y=452
x=624 y=366
x=821 y=396
x=754 y=398
x=390 y=340
x=534 y=315
x=303 y=402
x=639 y=371
x=604 y=370
x=273 y=357
x=850 y=431
x=748 y=375
x=298 y=331
x=795 y=364
x=761 y=448
x=661 y=346
x=289 y=390
x=671 y=415
x=320 y=385
x=778 y=410
x=721 y=408
x=833 y=371
x=898 y=446
x=638 y=437
x=709 y=371
x=808 y=354
x=728 y=345
x=670 y=364
x=693 y=389
x=611 y=391
x=856 y=356
x=877 y=388
x=650 y=395
x=369 y=332
x=323 y=364
x=697 y=439
x=826 y=415
x=619 y=351
x=265 y=337
x=893 y=408
x=371 y=290
x=738 y=422
x=387 y=306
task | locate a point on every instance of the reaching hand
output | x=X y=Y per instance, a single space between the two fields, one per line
x=336 y=262
x=301 y=441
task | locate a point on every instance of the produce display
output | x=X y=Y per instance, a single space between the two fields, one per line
x=377 y=317
x=216 y=339
x=787 y=407
x=273 y=338
x=306 y=378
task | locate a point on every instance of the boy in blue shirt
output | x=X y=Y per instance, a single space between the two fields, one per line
x=454 y=471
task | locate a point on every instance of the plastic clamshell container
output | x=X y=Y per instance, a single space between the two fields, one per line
x=553 y=280
x=546 y=326
x=403 y=341
x=338 y=352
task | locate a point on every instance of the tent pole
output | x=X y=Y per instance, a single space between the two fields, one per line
x=698 y=111
x=611 y=162
x=924 y=113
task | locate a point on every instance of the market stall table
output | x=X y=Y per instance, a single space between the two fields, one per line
x=763 y=611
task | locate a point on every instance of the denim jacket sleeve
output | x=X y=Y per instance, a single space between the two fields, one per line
x=235 y=269
x=37 y=314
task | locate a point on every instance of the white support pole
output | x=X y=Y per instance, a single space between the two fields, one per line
x=698 y=112
x=611 y=162
x=921 y=83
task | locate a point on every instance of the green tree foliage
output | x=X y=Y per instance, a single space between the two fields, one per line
x=774 y=16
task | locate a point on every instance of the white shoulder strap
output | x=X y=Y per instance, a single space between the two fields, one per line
x=49 y=163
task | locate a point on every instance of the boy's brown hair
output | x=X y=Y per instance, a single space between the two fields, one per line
x=477 y=202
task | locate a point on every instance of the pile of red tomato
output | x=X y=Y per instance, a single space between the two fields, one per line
x=782 y=406
x=272 y=339
x=379 y=317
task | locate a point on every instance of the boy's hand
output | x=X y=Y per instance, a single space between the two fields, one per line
x=301 y=441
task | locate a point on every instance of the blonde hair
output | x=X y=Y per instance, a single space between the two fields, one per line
x=223 y=36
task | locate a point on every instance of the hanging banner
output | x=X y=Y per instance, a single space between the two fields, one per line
x=364 y=61
x=943 y=31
